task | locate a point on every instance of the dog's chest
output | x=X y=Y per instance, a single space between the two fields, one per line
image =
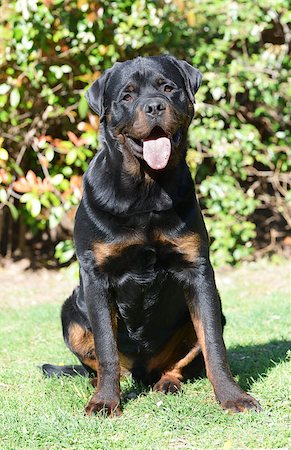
x=146 y=253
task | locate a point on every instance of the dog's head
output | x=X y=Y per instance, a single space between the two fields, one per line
x=148 y=104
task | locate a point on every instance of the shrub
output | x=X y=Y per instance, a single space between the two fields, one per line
x=52 y=50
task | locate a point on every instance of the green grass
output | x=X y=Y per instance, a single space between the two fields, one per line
x=39 y=413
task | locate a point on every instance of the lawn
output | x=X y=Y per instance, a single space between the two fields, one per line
x=39 y=413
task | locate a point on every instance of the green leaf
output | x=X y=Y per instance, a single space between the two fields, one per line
x=14 y=98
x=71 y=156
x=67 y=171
x=55 y=216
x=49 y=154
x=3 y=100
x=66 y=68
x=25 y=198
x=83 y=107
x=14 y=212
x=57 y=179
x=3 y=195
x=4 y=116
x=4 y=88
x=35 y=207
x=4 y=154
x=53 y=221
x=66 y=256
x=57 y=71
x=64 y=251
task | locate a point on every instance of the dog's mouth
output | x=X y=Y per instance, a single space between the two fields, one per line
x=155 y=148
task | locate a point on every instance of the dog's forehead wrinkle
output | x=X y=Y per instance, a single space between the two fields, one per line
x=142 y=72
x=139 y=80
x=149 y=67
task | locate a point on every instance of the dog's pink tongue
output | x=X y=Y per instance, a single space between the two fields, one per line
x=156 y=152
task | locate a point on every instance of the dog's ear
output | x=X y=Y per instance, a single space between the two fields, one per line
x=192 y=77
x=95 y=94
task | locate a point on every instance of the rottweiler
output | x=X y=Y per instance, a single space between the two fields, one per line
x=147 y=300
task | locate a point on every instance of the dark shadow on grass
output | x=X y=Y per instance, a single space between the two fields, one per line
x=133 y=390
x=249 y=363
x=252 y=362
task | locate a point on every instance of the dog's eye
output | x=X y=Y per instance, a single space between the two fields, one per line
x=127 y=97
x=168 y=88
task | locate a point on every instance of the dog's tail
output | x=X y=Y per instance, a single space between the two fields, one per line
x=59 y=371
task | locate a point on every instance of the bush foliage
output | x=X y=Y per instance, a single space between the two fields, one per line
x=52 y=50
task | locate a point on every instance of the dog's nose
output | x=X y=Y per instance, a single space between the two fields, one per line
x=154 y=107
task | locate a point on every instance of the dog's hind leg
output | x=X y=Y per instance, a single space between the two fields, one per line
x=180 y=359
x=77 y=333
x=79 y=338
x=170 y=381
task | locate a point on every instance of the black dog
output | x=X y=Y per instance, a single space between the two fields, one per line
x=147 y=299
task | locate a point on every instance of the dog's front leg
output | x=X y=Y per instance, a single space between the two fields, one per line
x=205 y=309
x=107 y=395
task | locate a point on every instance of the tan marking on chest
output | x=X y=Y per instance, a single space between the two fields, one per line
x=105 y=250
x=188 y=245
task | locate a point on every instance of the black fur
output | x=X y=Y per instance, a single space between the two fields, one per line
x=145 y=273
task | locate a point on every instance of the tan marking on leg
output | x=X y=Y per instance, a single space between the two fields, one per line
x=175 y=373
x=125 y=363
x=201 y=340
x=81 y=342
x=92 y=363
x=172 y=356
x=170 y=381
x=192 y=354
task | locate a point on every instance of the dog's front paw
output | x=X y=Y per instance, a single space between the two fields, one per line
x=98 y=403
x=168 y=385
x=241 y=404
